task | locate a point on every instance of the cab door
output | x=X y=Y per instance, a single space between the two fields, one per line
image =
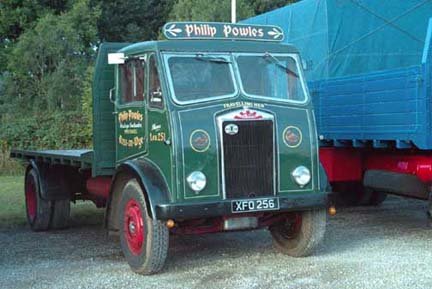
x=131 y=116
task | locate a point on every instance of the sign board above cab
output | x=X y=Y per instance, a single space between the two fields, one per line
x=212 y=30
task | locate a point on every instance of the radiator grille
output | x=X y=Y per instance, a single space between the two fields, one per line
x=248 y=159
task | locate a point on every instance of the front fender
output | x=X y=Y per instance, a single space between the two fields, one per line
x=324 y=183
x=152 y=181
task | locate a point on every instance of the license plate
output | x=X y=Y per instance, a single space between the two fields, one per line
x=264 y=204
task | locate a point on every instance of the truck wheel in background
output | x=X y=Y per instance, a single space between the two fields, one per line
x=38 y=210
x=355 y=194
x=60 y=214
x=375 y=198
x=300 y=233
x=349 y=194
x=144 y=241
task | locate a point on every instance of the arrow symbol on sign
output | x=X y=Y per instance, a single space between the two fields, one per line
x=276 y=33
x=173 y=30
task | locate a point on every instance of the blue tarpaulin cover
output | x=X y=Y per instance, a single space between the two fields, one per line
x=347 y=37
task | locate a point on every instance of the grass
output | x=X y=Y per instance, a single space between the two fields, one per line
x=8 y=166
x=12 y=205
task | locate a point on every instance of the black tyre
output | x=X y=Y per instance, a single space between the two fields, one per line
x=144 y=241
x=377 y=198
x=300 y=233
x=38 y=210
x=60 y=215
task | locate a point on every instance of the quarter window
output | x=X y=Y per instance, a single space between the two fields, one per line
x=132 y=81
x=155 y=92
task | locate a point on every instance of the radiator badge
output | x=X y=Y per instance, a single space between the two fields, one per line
x=248 y=114
x=199 y=140
x=231 y=129
x=292 y=136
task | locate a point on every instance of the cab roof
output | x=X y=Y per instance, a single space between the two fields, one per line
x=208 y=46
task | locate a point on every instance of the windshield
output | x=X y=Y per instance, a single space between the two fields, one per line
x=200 y=77
x=271 y=76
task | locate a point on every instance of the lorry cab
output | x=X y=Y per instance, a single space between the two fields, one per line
x=211 y=130
x=235 y=115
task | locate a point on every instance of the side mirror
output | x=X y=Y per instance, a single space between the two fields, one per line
x=112 y=95
x=116 y=58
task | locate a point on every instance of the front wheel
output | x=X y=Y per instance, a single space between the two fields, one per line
x=144 y=241
x=300 y=233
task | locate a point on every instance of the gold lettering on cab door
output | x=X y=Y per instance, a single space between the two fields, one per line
x=131 y=123
x=158 y=137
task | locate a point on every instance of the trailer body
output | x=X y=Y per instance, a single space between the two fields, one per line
x=369 y=71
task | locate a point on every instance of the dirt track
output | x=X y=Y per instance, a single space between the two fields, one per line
x=383 y=247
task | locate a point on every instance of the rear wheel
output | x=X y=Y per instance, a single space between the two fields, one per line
x=38 y=210
x=60 y=214
x=377 y=198
x=300 y=233
x=144 y=241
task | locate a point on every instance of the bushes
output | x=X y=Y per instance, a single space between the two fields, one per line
x=57 y=130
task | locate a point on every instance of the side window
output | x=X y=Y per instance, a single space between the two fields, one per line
x=155 y=92
x=132 y=81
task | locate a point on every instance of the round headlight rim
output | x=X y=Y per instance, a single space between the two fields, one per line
x=300 y=172
x=193 y=178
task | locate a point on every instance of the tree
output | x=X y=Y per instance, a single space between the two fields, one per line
x=262 y=6
x=18 y=15
x=133 y=20
x=48 y=63
x=209 y=10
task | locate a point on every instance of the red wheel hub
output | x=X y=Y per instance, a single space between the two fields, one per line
x=133 y=227
x=30 y=197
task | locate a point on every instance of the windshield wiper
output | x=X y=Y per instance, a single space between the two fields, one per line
x=211 y=58
x=269 y=57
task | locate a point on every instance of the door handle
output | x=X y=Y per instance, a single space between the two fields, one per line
x=111 y=95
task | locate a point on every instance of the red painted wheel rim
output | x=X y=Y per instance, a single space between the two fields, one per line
x=133 y=227
x=30 y=196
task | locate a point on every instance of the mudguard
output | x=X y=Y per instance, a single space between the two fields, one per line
x=155 y=188
x=324 y=183
x=53 y=182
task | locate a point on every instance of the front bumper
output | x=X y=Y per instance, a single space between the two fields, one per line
x=184 y=211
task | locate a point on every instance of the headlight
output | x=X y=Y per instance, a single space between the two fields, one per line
x=301 y=175
x=197 y=181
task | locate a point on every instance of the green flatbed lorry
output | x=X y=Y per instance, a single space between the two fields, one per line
x=212 y=130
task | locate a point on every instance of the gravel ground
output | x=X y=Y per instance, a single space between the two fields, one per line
x=382 y=247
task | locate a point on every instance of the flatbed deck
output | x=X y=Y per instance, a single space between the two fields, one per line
x=82 y=158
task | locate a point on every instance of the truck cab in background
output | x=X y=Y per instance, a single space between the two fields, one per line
x=212 y=130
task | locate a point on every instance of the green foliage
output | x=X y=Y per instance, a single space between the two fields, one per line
x=57 y=130
x=18 y=15
x=87 y=103
x=53 y=130
x=262 y=6
x=209 y=10
x=49 y=60
x=133 y=20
